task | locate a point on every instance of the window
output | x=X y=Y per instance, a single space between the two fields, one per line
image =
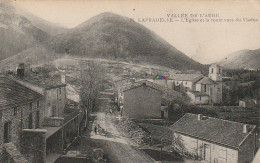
x=212 y=70
x=1 y=115
x=186 y=83
x=37 y=104
x=200 y=98
x=15 y=111
x=60 y=90
x=31 y=106
x=30 y=121
x=219 y=70
x=37 y=119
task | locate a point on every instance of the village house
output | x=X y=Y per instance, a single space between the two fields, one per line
x=198 y=98
x=143 y=99
x=185 y=81
x=60 y=120
x=201 y=89
x=214 y=140
x=164 y=81
x=20 y=108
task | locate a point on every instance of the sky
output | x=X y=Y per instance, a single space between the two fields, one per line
x=205 y=42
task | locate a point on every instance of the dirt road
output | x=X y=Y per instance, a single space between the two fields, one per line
x=120 y=149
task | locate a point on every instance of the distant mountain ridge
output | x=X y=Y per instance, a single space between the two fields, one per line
x=243 y=59
x=16 y=32
x=112 y=36
x=44 y=25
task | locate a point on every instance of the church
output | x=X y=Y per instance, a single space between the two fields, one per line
x=202 y=90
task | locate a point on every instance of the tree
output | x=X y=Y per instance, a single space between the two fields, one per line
x=90 y=78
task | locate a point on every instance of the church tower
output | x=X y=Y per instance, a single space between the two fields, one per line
x=215 y=73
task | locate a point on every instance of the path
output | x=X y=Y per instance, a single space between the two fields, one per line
x=121 y=149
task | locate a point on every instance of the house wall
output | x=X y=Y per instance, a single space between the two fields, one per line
x=248 y=149
x=142 y=102
x=212 y=153
x=199 y=100
x=34 y=139
x=19 y=121
x=55 y=102
x=192 y=97
x=198 y=87
x=163 y=82
x=215 y=73
x=187 y=84
x=214 y=91
x=202 y=100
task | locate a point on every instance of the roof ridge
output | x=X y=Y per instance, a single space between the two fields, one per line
x=223 y=119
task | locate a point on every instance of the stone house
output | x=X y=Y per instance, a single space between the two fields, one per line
x=53 y=90
x=214 y=140
x=197 y=84
x=60 y=120
x=20 y=108
x=211 y=88
x=143 y=99
x=198 y=98
x=187 y=81
x=164 y=81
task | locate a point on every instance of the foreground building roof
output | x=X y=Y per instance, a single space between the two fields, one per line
x=47 y=81
x=224 y=132
x=149 y=84
x=15 y=94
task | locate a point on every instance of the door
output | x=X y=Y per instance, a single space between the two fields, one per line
x=207 y=152
x=6 y=132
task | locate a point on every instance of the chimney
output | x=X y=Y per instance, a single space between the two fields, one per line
x=20 y=70
x=244 y=128
x=199 y=117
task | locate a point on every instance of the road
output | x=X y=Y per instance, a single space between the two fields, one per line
x=120 y=148
x=117 y=148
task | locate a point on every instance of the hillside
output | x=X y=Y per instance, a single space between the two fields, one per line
x=114 y=37
x=16 y=32
x=35 y=55
x=244 y=59
x=44 y=25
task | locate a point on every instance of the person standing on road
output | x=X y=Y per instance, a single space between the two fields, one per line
x=95 y=130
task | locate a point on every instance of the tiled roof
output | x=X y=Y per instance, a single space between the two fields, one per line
x=14 y=94
x=149 y=84
x=197 y=93
x=186 y=77
x=206 y=80
x=215 y=130
x=46 y=81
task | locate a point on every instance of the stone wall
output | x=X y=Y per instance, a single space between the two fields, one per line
x=55 y=100
x=18 y=119
x=33 y=145
x=204 y=150
x=142 y=102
